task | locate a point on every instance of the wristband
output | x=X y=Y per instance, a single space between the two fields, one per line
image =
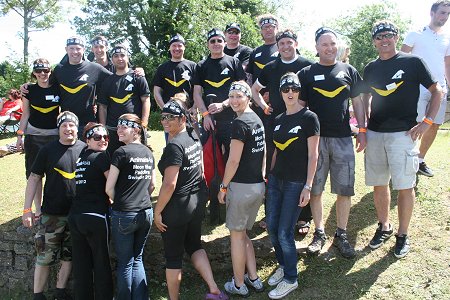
x=362 y=130
x=427 y=121
x=27 y=210
x=19 y=132
x=223 y=188
x=266 y=110
x=204 y=114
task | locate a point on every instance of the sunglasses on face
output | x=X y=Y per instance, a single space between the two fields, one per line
x=38 y=71
x=388 y=36
x=98 y=137
x=233 y=32
x=168 y=117
x=290 y=88
x=219 y=41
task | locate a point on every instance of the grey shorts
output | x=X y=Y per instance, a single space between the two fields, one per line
x=391 y=155
x=243 y=202
x=424 y=103
x=336 y=156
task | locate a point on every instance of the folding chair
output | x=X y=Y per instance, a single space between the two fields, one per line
x=12 y=123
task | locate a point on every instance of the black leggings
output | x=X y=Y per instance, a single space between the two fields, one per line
x=90 y=256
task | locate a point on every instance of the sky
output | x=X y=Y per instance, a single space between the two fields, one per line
x=50 y=44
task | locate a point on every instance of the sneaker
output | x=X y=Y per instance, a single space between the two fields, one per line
x=256 y=284
x=317 y=243
x=342 y=243
x=380 y=236
x=425 y=170
x=62 y=294
x=276 y=277
x=282 y=290
x=39 y=296
x=402 y=246
x=230 y=288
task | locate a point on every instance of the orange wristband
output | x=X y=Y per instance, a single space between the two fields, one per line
x=204 y=114
x=266 y=110
x=427 y=121
x=27 y=210
x=362 y=130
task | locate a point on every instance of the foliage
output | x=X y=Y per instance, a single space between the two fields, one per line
x=12 y=75
x=37 y=15
x=357 y=27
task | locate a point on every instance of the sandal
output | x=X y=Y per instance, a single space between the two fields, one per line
x=303 y=228
x=221 y=296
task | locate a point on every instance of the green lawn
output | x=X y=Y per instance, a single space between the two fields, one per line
x=423 y=274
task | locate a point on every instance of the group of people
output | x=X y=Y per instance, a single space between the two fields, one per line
x=282 y=123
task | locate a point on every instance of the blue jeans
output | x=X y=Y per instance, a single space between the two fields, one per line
x=282 y=212
x=129 y=232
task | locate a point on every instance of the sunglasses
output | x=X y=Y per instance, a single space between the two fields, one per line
x=98 y=137
x=38 y=71
x=219 y=41
x=290 y=88
x=231 y=31
x=388 y=36
x=168 y=117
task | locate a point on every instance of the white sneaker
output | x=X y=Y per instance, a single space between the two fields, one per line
x=276 y=277
x=231 y=289
x=282 y=290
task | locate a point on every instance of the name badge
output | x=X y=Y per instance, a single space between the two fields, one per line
x=258 y=54
x=49 y=97
x=277 y=127
x=129 y=78
x=391 y=86
x=319 y=77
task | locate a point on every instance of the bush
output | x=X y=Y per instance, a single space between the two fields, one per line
x=154 y=122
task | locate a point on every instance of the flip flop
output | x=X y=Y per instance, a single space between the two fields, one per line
x=221 y=296
x=303 y=229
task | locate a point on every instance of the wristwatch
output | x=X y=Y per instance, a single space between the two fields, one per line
x=223 y=188
x=307 y=187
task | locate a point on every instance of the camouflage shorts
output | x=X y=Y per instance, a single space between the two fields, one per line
x=58 y=245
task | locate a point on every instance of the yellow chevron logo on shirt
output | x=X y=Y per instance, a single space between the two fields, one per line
x=385 y=93
x=121 y=100
x=259 y=65
x=217 y=84
x=44 y=110
x=331 y=94
x=65 y=174
x=74 y=90
x=174 y=83
x=284 y=145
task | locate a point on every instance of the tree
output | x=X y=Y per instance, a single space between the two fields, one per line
x=12 y=75
x=37 y=15
x=357 y=27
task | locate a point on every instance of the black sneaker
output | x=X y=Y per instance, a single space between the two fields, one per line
x=317 y=243
x=402 y=246
x=62 y=294
x=380 y=236
x=425 y=170
x=342 y=243
x=39 y=296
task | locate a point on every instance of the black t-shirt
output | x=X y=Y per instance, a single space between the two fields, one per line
x=184 y=150
x=259 y=58
x=90 y=183
x=122 y=94
x=394 y=84
x=290 y=139
x=270 y=77
x=175 y=77
x=78 y=86
x=216 y=76
x=249 y=129
x=135 y=163
x=58 y=163
x=327 y=90
x=44 y=106
x=241 y=52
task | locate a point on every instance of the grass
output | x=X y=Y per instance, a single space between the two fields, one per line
x=423 y=274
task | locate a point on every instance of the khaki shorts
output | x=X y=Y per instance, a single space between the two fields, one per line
x=58 y=245
x=424 y=103
x=337 y=157
x=391 y=155
x=243 y=202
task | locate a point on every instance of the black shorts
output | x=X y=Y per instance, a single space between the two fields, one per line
x=32 y=145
